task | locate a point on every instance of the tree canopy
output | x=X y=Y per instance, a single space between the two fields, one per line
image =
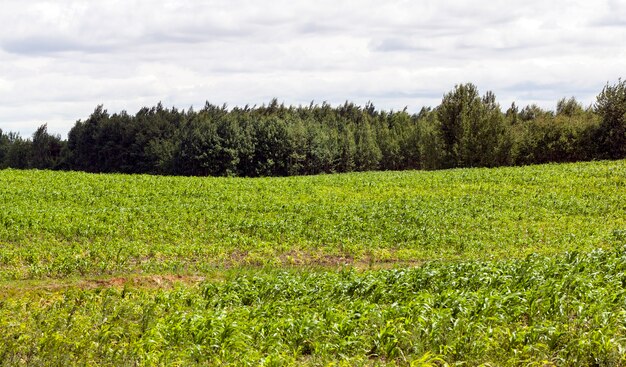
x=466 y=130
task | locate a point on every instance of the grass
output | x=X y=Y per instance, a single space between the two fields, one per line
x=507 y=266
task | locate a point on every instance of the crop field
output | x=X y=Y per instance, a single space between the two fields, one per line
x=507 y=266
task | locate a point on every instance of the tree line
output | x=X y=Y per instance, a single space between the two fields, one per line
x=466 y=130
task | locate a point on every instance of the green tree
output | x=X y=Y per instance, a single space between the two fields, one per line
x=388 y=136
x=4 y=148
x=472 y=129
x=298 y=163
x=493 y=136
x=368 y=154
x=611 y=107
x=347 y=149
x=19 y=153
x=568 y=107
x=199 y=148
x=84 y=142
x=46 y=149
x=430 y=144
x=459 y=110
x=512 y=114
x=272 y=147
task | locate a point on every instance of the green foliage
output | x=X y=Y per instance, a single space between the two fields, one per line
x=509 y=268
x=561 y=138
x=430 y=143
x=569 y=107
x=82 y=143
x=5 y=144
x=473 y=129
x=562 y=310
x=46 y=149
x=18 y=152
x=368 y=153
x=611 y=107
x=533 y=112
x=515 y=266
x=64 y=224
x=465 y=130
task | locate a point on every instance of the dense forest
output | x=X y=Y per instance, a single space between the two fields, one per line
x=465 y=130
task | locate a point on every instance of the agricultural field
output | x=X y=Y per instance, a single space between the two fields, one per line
x=507 y=266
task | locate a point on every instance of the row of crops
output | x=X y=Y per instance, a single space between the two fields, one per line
x=567 y=309
x=68 y=224
x=508 y=266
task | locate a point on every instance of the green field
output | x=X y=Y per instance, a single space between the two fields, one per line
x=504 y=266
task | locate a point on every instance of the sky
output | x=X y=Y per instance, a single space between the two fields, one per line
x=60 y=59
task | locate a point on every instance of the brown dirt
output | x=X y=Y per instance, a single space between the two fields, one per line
x=146 y=281
x=291 y=259
x=135 y=281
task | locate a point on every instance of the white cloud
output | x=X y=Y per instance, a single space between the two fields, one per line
x=59 y=59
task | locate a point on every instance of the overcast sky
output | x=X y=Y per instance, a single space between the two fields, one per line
x=59 y=59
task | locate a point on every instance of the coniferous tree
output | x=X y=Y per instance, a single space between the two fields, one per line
x=45 y=149
x=4 y=148
x=457 y=114
x=84 y=142
x=472 y=129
